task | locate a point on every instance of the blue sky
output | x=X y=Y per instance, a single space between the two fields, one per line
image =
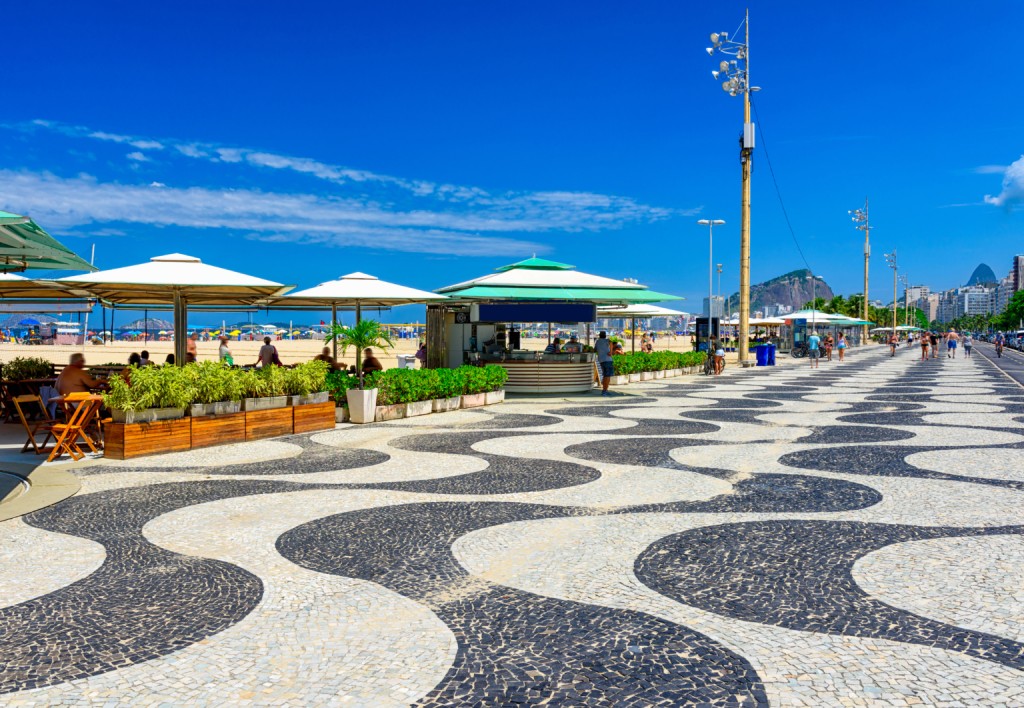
x=427 y=143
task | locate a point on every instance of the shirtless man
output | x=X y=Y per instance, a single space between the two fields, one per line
x=74 y=379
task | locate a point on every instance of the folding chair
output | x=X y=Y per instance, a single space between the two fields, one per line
x=79 y=418
x=46 y=424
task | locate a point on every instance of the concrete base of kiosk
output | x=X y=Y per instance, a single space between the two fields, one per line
x=548 y=376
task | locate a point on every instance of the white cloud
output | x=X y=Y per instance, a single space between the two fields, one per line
x=989 y=169
x=1013 y=187
x=69 y=204
x=137 y=156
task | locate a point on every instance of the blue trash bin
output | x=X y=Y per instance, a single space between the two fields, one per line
x=771 y=355
x=761 y=352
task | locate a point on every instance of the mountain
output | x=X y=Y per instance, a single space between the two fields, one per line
x=982 y=275
x=793 y=289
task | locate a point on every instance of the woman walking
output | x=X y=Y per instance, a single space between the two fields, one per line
x=924 y=346
x=841 y=345
x=968 y=343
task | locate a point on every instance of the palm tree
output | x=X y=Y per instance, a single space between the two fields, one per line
x=365 y=333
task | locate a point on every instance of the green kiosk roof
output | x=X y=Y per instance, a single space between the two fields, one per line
x=24 y=244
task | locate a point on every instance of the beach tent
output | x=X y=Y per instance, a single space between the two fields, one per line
x=356 y=291
x=179 y=280
x=24 y=244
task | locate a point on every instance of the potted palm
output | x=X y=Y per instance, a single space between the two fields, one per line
x=362 y=402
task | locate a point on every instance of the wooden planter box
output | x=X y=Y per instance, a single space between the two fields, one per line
x=314 y=416
x=122 y=441
x=269 y=423
x=210 y=430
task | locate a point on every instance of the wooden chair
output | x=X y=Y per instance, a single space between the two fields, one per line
x=78 y=420
x=45 y=423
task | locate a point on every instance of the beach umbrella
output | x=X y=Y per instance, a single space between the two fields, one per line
x=24 y=245
x=355 y=290
x=29 y=322
x=179 y=280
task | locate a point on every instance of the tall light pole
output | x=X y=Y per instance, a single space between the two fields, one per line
x=890 y=259
x=711 y=224
x=718 y=267
x=906 y=298
x=860 y=217
x=737 y=81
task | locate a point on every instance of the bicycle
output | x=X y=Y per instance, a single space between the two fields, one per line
x=999 y=350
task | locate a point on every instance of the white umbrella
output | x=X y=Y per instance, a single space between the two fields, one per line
x=355 y=290
x=16 y=286
x=179 y=280
x=638 y=310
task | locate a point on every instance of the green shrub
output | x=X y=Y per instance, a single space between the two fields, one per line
x=151 y=387
x=263 y=383
x=337 y=383
x=27 y=367
x=449 y=383
x=655 y=361
x=306 y=378
x=412 y=385
x=213 y=382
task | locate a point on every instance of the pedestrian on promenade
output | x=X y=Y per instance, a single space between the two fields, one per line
x=813 y=351
x=925 y=340
x=933 y=343
x=829 y=343
x=951 y=338
x=841 y=345
x=968 y=343
x=893 y=343
x=604 y=350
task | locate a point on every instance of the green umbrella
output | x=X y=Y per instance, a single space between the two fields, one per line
x=24 y=244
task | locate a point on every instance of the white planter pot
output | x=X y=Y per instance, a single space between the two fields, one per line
x=418 y=408
x=633 y=378
x=392 y=412
x=492 y=397
x=320 y=397
x=646 y=375
x=474 y=400
x=198 y=410
x=340 y=415
x=675 y=372
x=362 y=405
x=264 y=404
x=659 y=374
x=147 y=415
x=619 y=380
x=442 y=405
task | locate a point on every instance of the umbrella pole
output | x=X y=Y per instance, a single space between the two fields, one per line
x=113 y=309
x=103 y=332
x=359 y=354
x=632 y=334
x=180 y=325
x=334 y=322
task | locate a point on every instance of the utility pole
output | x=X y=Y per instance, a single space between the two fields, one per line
x=860 y=217
x=738 y=82
x=890 y=258
x=906 y=298
x=711 y=224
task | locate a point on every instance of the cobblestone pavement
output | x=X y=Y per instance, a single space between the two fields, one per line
x=852 y=535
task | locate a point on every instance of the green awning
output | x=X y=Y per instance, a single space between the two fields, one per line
x=600 y=295
x=24 y=244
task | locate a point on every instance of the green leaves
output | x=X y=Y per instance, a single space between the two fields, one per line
x=635 y=363
x=27 y=367
x=151 y=387
x=304 y=379
x=412 y=385
x=366 y=333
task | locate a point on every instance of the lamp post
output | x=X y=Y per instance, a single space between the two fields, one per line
x=860 y=217
x=718 y=269
x=736 y=73
x=906 y=299
x=890 y=259
x=711 y=224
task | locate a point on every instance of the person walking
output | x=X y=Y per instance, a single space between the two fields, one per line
x=968 y=344
x=224 y=352
x=602 y=347
x=813 y=351
x=951 y=338
x=841 y=345
x=893 y=343
x=924 y=346
x=829 y=343
x=933 y=343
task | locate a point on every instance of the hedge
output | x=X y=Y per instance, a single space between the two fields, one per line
x=412 y=385
x=655 y=361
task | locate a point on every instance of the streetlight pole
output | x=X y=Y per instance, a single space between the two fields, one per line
x=890 y=259
x=906 y=298
x=737 y=82
x=860 y=217
x=711 y=224
x=718 y=267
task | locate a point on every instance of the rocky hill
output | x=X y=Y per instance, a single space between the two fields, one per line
x=793 y=289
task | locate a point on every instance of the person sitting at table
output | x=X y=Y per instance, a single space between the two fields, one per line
x=133 y=360
x=74 y=378
x=325 y=355
x=145 y=358
x=554 y=348
x=169 y=361
x=573 y=346
x=617 y=348
x=370 y=362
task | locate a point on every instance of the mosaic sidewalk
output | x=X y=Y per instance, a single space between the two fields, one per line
x=852 y=535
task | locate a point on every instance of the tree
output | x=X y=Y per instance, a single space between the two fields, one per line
x=815 y=304
x=1013 y=314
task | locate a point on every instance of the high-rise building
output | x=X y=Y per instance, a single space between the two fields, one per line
x=1004 y=291
x=916 y=292
x=1017 y=273
x=717 y=306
